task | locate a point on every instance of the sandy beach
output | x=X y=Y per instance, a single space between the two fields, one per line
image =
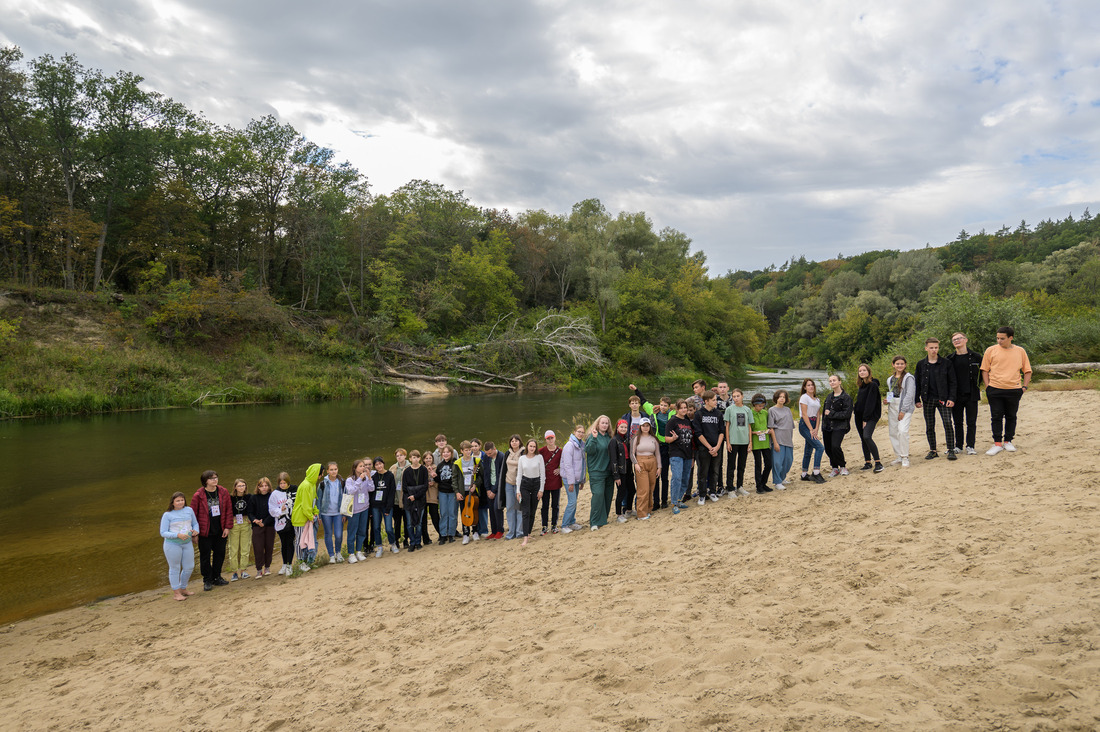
x=947 y=596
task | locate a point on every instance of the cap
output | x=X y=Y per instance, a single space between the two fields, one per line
x=548 y=433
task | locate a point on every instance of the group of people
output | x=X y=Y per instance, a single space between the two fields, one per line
x=648 y=460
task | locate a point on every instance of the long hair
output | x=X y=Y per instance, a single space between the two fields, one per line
x=172 y=500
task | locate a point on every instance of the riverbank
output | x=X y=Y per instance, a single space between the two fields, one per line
x=946 y=596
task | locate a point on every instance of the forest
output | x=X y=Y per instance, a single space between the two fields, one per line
x=187 y=238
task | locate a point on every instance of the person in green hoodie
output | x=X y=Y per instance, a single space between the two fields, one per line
x=599 y=470
x=302 y=516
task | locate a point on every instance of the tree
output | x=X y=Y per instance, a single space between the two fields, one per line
x=483 y=280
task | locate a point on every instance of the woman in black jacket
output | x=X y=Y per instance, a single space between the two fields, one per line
x=622 y=470
x=868 y=410
x=838 y=413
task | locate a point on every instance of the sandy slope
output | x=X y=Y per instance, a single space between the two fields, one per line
x=948 y=596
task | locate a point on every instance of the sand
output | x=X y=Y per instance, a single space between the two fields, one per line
x=949 y=596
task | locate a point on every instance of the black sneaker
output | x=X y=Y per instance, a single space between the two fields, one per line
x=806 y=476
x=932 y=455
x=764 y=489
x=206 y=587
x=951 y=455
x=819 y=478
x=879 y=468
x=219 y=581
x=866 y=466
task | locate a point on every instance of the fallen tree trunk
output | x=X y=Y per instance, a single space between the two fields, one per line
x=1064 y=369
x=429 y=377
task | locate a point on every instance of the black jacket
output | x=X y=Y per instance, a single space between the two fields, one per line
x=619 y=452
x=935 y=380
x=414 y=485
x=969 y=390
x=384 y=482
x=490 y=466
x=840 y=412
x=868 y=407
x=257 y=509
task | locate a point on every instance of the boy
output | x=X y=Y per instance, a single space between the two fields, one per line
x=633 y=416
x=708 y=425
x=761 y=444
x=968 y=392
x=936 y=391
x=739 y=426
x=466 y=469
x=680 y=437
x=722 y=389
x=1003 y=365
x=491 y=485
x=398 y=471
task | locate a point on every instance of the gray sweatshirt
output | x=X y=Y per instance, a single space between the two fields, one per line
x=908 y=393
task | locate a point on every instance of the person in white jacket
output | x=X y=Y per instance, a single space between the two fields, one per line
x=901 y=397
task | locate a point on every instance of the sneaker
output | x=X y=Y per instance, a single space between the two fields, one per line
x=1010 y=447
x=260 y=575
x=806 y=476
x=713 y=498
x=465 y=540
x=567 y=530
x=702 y=500
x=361 y=556
x=304 y=567
x=485 y=535
x=219 y=581
x=896 y=461
x=742 y=492
x=554 y=530
x=339 y=558
x=394 y=549
x=932 y=455
x=764 y=489
x=951 y=455
x=844 y=471
x=234 y=578
x=643 y=518
x=780 y=487
x=245 y=575
x=994 y=450
x=378 y=554
x=675 y=509
x=622 y=519
x=352 y=559
x=819 y=478
x=879 y=468
x=732 y=494
x=632 y=513
x=971 y=451
x=835 y=472
x=595 y=528
x=576 y=527
x=475 y=536
x=332 y=560
x=287 y=570
x=206 y=587
x=544 y=531
x=866 y=466
x=905 y=462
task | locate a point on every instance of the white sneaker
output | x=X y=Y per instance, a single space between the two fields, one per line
x=643 y=518
x=476 y=536
x=352 y=559
x=780 y=487
x=1010 y=447
x=713 y=498
x=896 y=461
x=245 y=575
x=621 y=519
x=994 y=450
x=595 y=528
x=971 y=451
x=465 y=540
x=304 y=567
x=286 y=570
x=732 y=494
x=259 y=575
x=702 y=500
x=576 y=527
x=332 y=560
x=844 y=471
x=742 y=492
x=394 y=549
x=566 y=530
x=378 y=554
x=361 y=556
x=484 y=536
x=339 y=558
x=632 y=513
x=905 y=462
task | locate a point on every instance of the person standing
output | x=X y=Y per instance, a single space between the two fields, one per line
x=659 y=415
x=809 y=406
x=781 y=431
x=739 y=425
x=263 y=527
x=838 y=415
x=709 y=427
x=724 y=401
x=645 y=456
x=415 y=491
x=600 y=480
x=532 y=482
x=868 y=411
x=359 y=486
x=968 y=392
x=936 y=393
x=572 y=474
x=551 y=454
x=901 y=396
x=491 y=484
x=178 y=527
x=680 y=438
x=1006 y=373
x=214 y=510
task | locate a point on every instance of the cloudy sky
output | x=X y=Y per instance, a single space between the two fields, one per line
x=763 y=130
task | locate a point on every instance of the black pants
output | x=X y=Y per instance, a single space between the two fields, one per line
x=762 y=464
x=286 y=543
x=1003 y=405
x=432 y=513
x=832 y=440
x=738 y=459
x=398 y=523
x=930 y=409
x=660 y=488
x=212 y=555
x=624 y=496
x=708 y=466
x=372 y=537
x=263 y=545
x=549 y=505
x=969 y=410
x=720 y=463
x=866 y=438
x=496 y=513
x=528 y=502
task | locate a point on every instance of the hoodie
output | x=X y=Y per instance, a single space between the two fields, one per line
x=305 y=503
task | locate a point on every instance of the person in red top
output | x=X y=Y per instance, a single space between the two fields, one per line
x=551 y=455
x=214 y=510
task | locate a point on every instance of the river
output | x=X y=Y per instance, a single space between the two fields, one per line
x=81 y=502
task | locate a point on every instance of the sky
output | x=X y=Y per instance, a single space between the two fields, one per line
x=762 y=130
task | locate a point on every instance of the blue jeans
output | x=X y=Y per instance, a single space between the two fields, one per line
x=570 y=516
x=781 y=463
x=448 y=515
x=357 y=531
x=334 y=529
x=680 y=477
x=414 y=523
x=513 y=517
x=181 y=563
x=483 y=519
x=814 y=447
x=376 y=517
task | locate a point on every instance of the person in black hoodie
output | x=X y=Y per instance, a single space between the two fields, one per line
x=868 y=411
x=936 y=393
x=414 y=488
x=381 y=505
x=622 y=469
x=709 y=424
x=837 y=409
x=968 y=392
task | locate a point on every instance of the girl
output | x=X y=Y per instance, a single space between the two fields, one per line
x=303 y=515
x=280 y=505
x=385 y=491
x=532 y=481
x=781 y=427
x=572 y=473
x=809 y=406
x=868 y=410
x=511 y=485
x=597 y=451
x=622 y=470
x=213 y=509
x=645 y=455
x=448 y=507
x=432 y=511
x=241 y=533
x=901 y=398
x=838 y=413
x=179 y=526
x=263 y=527
x=680 y=437
x=330 y=491
x=359 y=486
x=415 y=490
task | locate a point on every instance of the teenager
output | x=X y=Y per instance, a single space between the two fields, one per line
x=738 y=419
x=761 y=443
x=359 y=486
x=432 y=506
x=838 y=415
x=645 y=456
x=303 y=516
x=722 y=403
x=936 y=393
x=968 y=392
x=551 y=455
x=901 y=397
x=382 y=506
x=491 y=485
x=280 y=505
x=709 y=430
x=178 y=527
x=659 y=414
x=633 y=416
x=415 y=491
x=622 y=471
x=573 y=469
x=532 y=482
x=213 y=509
x=448 y=505
x=513 y=516
x=1006 y=373
x=781 y=432
x=397 y=470
x=600 y=480
x=809 y=407
x=465 y=483
x=240 y=535
x=262 y=524
x=680 y=437
x=868 y=411
x=330 y=494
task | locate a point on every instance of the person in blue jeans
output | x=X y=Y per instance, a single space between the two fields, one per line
x=573 y=467
x=809 y=407
x=381 y=505
x=330 y=491
x=680 y=438
x=448 y=503
x=781 y=429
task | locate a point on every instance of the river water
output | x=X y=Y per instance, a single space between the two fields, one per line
x=81 y=498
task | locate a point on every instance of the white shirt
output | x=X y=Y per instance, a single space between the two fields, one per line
x=532 y=467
